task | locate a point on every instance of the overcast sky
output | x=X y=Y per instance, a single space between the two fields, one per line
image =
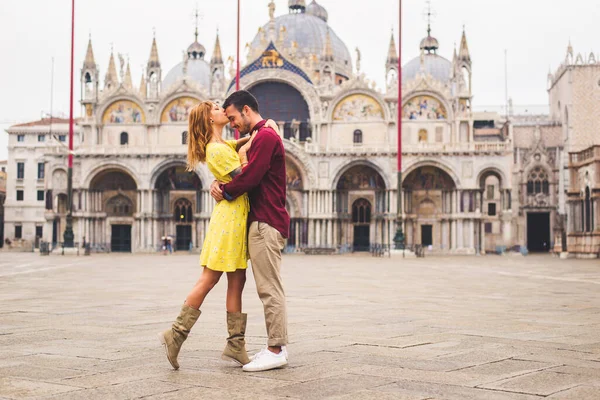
x=534 y=32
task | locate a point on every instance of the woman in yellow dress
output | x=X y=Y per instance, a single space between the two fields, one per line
x=225 y=247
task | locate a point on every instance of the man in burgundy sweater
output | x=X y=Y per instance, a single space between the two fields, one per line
x=264 y=180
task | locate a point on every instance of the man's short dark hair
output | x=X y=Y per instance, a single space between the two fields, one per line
x=240 y=99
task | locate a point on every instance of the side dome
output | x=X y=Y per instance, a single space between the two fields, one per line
x=317 y=10
x=310 y=34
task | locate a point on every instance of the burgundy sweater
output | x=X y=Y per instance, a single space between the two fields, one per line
x=264 y=180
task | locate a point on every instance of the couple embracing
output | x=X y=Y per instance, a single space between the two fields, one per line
x=249 y=219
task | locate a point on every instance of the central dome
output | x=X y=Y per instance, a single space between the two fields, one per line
x=198 y=70
x=437 y=66
x=310 y=34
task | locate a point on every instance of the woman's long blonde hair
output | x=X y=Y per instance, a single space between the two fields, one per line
x=200 y=132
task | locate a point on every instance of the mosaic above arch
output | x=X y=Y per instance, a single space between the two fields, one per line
x=424 y=108
x=361 y=177
x=428 y=178
x=293 y=176
x=123 y=112
x=358 y=107
x=179 y=109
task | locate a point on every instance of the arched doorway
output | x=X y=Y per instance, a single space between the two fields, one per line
x=113 y=198
x=428 y=193
x=183 y=217
x=361 y=220
x=178 y=197
x=361 y=204
x=286 y=106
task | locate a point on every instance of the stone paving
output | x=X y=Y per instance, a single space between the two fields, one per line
x=360 y=328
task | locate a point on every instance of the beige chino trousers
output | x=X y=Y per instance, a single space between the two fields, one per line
x=265 y=244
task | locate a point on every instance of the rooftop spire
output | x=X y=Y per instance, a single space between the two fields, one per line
x=392 y=57
x=89 y=56
x=429 y=44
x=111 y=77
x=217 y=57
x=196 y=15
x=463 y=53
x=153 y=61
x=127 y=82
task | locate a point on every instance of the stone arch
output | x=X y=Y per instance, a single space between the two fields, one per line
x=110 y=166
x=432 y=163
x=492 y=170
x=130 y=118
x=307 y=90
x=343 y=169
x=286 y=105
x=159 y=169
x=113 y=179
x=297 y=154
x=337 y=101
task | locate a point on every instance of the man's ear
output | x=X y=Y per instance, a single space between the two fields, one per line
x=246 y=109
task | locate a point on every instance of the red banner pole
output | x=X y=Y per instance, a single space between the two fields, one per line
x=237 y=72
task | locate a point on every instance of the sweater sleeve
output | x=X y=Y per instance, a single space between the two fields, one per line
x=259 y=162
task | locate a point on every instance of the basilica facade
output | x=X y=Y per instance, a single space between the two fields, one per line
x=466 y=174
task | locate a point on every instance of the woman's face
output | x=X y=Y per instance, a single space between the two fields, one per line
x=218 y=115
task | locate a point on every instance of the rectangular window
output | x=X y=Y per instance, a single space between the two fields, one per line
x=41 y=170
x=490 y=192
x=19 y=195
x=20 y=170
x=39 y=230
x=40 y=195
x=62 y=138
x=488 y=227
x=492 y=209
x=18 y=231
x=20 y=138
x=41 y=138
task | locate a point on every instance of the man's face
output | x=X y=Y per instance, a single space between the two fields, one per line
x=238 y=120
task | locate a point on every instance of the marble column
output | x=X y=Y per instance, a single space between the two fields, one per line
x=453 y=234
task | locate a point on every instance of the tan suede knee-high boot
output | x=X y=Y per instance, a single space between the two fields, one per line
x=235 y=350
x=173 y=338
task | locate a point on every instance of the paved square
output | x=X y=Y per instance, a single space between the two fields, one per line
x=360 y=328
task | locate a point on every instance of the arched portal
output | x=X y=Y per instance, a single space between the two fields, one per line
x=286 y=106
x=113 y=200
x=178 y=196
x=428 y=202
x=298 y=237
x=361 y=203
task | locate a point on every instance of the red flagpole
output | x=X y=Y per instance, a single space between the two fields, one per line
x=400 y=89
x=237 y=73
x=399 y=238
x=68 y=235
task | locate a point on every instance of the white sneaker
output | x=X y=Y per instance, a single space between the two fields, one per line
x=266 y=360
x=283 y=349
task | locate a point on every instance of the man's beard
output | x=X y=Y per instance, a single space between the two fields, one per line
x=245 y=128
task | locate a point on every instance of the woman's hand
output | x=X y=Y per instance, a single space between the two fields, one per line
x=243 y=151
x=271 y=124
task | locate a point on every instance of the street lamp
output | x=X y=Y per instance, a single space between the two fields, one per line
x=68 y=235
x=399 y=238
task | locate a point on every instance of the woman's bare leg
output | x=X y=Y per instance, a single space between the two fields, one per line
x=207 y=281
x=235 y=286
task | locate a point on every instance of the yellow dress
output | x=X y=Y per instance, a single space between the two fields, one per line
x=225 y=246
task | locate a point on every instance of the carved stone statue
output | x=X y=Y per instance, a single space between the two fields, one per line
x=122 y=62
x=357 y=61
x=272 y=10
